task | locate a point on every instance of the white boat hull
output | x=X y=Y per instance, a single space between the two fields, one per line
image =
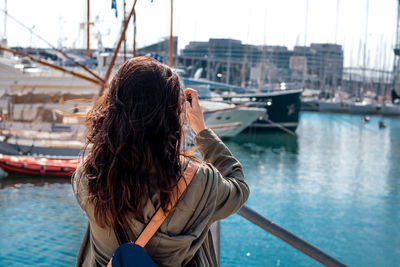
x=330 y=106
x=225 y=122
x=229 y=123
x=363 y=108
x=390 y=109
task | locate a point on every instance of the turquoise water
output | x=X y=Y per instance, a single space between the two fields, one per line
x=336 y=185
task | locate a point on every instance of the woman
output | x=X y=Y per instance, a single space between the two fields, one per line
x=135 y=136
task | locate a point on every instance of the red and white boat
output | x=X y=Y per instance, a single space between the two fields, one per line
x=64 y=167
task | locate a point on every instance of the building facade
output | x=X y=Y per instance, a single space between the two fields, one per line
x=230 y=61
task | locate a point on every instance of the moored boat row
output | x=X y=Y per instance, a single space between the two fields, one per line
x=43 y=114
x=365 y=107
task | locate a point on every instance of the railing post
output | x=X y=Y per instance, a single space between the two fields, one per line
x=216 y=234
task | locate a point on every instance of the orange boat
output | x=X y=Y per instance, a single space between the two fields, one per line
x=39 y=165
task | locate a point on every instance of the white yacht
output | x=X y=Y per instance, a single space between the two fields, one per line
x=228 y=120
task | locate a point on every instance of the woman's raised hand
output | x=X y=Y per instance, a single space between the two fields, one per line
x=194 y=114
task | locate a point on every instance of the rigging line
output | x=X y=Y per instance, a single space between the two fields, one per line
x=53 y=47
x=283 y=128
x=73 y=73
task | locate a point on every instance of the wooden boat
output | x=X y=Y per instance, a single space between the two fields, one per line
x=64 y=167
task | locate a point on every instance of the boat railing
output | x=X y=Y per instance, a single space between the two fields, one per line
x=285 y=236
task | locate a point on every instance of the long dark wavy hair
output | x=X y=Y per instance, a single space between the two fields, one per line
x=134 y=141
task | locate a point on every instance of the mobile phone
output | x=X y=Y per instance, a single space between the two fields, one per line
x=189 y=98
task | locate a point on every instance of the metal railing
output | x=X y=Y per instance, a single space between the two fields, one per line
x=288 y=237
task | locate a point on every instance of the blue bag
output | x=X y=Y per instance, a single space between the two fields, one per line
x=131 y=255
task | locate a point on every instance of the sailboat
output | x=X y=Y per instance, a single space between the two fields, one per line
x=366 y=106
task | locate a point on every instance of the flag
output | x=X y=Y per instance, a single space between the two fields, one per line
x=114 y=6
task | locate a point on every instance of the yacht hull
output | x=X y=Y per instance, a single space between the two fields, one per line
x=329 y=106
x=360 y=108
x=282 y=107
x=390 y=109
x=229 y=123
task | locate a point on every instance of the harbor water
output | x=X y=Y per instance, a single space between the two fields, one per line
x=336 y=185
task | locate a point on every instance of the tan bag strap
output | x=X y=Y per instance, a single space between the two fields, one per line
x=160 y=215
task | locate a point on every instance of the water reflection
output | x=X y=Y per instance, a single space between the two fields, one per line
x=337 y=185
x=267 y=158
x=276 y=141
x=42 y=224
x=16 y=180
x=393 y=181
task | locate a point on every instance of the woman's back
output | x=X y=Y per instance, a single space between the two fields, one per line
x=184 y=238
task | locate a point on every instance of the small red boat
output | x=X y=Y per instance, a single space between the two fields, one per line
x=39 y=165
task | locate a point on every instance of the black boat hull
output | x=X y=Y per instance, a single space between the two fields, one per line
x=283 y=110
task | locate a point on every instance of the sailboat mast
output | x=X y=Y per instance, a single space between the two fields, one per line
x=264 y=50
x=337 y=20
x=304 y=48
x=134 y=33
x=244 y=65
x=365 y=46
x=5 y=19
x=396 y=59
x=243 y=72
x=124 y=33
x=88 y=30
x=384 y=71
x=171 y=39
x=262 y=67
x=228 y=71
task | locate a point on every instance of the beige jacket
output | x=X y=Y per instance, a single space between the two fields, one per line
x=216 y=191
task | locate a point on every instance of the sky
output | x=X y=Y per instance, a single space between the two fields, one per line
x=271 y=22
